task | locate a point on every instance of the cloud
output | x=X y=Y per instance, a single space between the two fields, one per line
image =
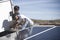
x=40 y=1
x=43 y=9
x=40 y=4
x=42 y=12
x=48 y=15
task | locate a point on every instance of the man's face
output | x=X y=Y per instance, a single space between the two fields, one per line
x=16 y=11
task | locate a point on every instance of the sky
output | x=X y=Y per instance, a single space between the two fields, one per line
x=39 y=9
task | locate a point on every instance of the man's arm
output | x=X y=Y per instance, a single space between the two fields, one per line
x=11 y=13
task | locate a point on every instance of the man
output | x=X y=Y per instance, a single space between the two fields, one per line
x=15 y=17
x=20 y=21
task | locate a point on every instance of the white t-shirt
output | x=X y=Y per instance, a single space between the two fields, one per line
x=22 y=16
x=31 y=22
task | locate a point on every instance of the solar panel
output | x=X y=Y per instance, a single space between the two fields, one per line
x=38 y=34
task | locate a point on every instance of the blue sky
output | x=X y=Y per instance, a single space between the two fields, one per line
x=39 y=9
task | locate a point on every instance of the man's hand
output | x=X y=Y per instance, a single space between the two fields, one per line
x=16 y=17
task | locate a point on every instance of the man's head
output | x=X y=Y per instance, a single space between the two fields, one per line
x=16 y=9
